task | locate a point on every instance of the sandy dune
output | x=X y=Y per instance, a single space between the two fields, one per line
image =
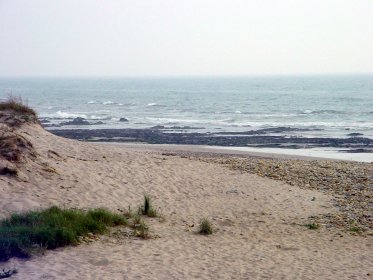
x=258 y=221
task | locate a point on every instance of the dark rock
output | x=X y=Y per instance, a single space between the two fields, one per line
x=77 y=121
x=184 y=127
x=123 y=120
x=158 y=127
x=175 y=127
x=354 y=151
x=157 y=135
x=262 y=131
x=355 y=134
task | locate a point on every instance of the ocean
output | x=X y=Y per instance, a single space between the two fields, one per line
x=320 y=106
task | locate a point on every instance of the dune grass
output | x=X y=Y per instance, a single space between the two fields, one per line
x=140 y=228
x=313 y=226
x=147 y=208
x=17 y=105
x=22 y=234
x=205 y=227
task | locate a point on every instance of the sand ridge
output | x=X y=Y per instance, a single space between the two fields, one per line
x=258 y=220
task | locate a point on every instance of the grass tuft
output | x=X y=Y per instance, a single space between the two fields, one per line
x=312 y=226
x=141 y=230
x=21 y=234
x=205 y=227
x=147 y=209
x=17 y=105
x=356 y=229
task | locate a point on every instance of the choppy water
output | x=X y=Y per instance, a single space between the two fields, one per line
x=337 y=105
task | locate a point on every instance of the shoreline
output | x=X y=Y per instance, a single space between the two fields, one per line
x=352 y=148
x=266 y=153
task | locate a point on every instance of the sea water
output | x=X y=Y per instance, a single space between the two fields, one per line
x=329 y=106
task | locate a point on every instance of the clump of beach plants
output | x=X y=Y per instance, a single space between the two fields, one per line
x=140 y=228
x=147 y=208
x=21 y=235
x=205 y=227
x=356 y=229
x=17 y=105
x=313 y=226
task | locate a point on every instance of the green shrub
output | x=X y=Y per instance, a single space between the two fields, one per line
x=147 y=209
x=313 y=226
x=356 y=229
x=51 y=228
x=205 y=227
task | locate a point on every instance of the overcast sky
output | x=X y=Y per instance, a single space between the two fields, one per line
x=185 y=37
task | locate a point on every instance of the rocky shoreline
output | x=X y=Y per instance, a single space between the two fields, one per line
x=350 y=183
x=254 y=138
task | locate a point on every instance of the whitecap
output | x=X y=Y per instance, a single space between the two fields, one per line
x=95 y=117
x=91 y=102
x=108 y=102
x=66 y=115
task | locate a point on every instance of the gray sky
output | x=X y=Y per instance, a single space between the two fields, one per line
x=185 y=37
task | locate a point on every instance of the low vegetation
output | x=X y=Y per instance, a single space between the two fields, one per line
x=23 y=234
x=147 y=208
x=17 y=105
x=140 y=229
x=313 y=226
x=356 y=229
x=14 y=112
x=205 y=227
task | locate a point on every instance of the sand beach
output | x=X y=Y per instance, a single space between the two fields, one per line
x=259 y=207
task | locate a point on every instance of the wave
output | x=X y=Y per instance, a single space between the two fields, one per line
x=321 y=112
x=155 y=105
x=66 y=115
x=109 y=102
x=61 y=115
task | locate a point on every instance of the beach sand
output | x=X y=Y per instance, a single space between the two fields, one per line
x=259 y=222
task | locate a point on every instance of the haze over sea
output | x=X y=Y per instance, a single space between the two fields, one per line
x=329 y=106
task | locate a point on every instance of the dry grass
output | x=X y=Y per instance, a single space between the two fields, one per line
x=14 y=112
x=17 y=105
x=13 y=147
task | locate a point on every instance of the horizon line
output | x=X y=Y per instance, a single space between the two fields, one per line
x=184 y=75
